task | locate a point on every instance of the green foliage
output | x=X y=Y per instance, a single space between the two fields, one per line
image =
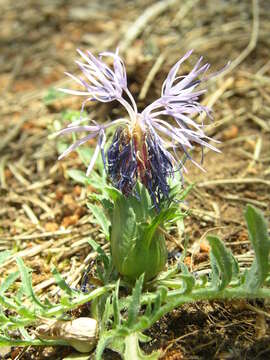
x=24 y=309
x=124 y=313
x=258 y=235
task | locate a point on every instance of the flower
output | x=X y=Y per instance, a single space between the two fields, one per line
x=145 y=144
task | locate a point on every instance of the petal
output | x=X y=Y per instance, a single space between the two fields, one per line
x=74 y=92
x=75 y=145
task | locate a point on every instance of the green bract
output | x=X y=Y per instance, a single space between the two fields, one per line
x=137 y=244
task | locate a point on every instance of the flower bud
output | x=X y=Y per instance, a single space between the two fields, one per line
x=137 y=244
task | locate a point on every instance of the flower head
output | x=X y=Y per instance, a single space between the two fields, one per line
x=145 y=145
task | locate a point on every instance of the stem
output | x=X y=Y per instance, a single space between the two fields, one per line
x=60 y=309
x=176 y=299
x=35 y=342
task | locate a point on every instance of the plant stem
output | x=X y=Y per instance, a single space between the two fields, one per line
x=176 y=299
x=60 y=309
x=35 y=342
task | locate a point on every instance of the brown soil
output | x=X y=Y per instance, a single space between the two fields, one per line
x=44 y=215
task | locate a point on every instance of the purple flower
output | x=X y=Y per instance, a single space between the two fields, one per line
x=145 y=144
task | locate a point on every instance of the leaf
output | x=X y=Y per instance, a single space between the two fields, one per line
x=62 y=283
x=100 y=251
x=157 y=303
x=258 y=235
x=188 y=281
x=116 y=312
x=85 y=154
x=106 y=313
x=164 y=215
x=27 y=283
x=103 y=343
x=223 y=260
x=78 y=176
x=133 y=351
x=134 y=306
x=25 y=334
x=10 y=279
x=101 y=218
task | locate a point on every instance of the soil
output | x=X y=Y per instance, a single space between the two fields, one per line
x=43 y=214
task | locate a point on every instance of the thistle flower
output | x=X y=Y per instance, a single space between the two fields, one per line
x=145 y=144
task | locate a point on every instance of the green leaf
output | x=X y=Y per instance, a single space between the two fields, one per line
x=102 y=255
x=10 y=279
x=223 y=260
x=27 y=283
x=134 y=306
x=188 y=281
x=62 y=283
x=85 y=154
x=103 y=343
x=258 y=235
x=133 y=351
x=101 y=218
x=105 y=316
x=116 y=312
x=25 y=334
x=78 y=176
x=164 y=215
x=157 y=303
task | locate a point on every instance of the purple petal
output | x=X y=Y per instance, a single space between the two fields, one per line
x=75 y=145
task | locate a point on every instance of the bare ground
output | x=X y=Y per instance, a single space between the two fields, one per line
x=43 y=214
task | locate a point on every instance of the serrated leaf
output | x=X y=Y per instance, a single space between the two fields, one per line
x=8 y=281
x=134 y=306
x=258 y=235
x=223 y=260
x=101 y=218
x=27 y=283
